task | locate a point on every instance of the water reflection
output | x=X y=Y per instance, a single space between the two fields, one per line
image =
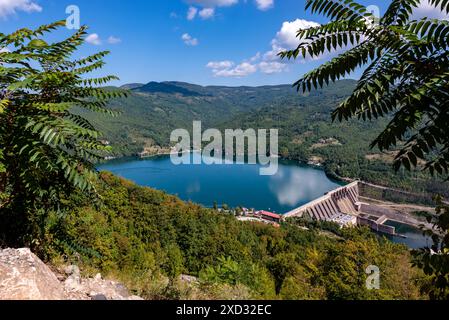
x=235 y=185
x=194 y=187
x=294 y=184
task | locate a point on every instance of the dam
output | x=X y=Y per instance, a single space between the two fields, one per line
x=343 y=206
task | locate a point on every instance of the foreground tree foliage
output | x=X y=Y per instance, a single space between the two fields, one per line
x=46 y=148
x=406 y=72
x=436 y=265
x=405 y=79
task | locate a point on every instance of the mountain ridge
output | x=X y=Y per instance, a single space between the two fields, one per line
x=306 y=130
x=183 y=84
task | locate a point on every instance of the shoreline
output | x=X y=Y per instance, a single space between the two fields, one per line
x=322 y=166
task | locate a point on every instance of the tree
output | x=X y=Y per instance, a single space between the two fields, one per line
x=435 y=260
x=406 y=72
x=47 y=147
x=405 y=78
x=281 y=266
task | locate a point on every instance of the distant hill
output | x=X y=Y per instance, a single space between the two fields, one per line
x=131 y=86
x=154 y=110
x=167 y=88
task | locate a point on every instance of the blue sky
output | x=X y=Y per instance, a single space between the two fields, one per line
x=208 y=42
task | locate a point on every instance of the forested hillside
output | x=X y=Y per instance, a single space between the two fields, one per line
x=307 y=132
x=152 y=111
x=147 y=239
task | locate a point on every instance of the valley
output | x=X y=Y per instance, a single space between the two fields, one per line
x=306 y=131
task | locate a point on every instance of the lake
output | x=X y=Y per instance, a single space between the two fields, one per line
x=234 y=185
x=241 y=185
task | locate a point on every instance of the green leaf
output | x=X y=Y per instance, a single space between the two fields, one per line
x=37 y=43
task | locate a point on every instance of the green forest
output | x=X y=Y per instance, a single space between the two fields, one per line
x=57 y=123
x=304 y=120
x=147 y=239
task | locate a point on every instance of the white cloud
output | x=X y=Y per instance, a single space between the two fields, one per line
x=272 y=67
x=213 y=3
x=217 y=65
x=426 y=10
x=94 y=39
x=3 y=50
x=8 y=7
x=207 y=13
x=114 y=40
x=255 y=58
x=265 y=4
x=209 y=6
x=242 y=70
x=189 y=40
x=228 y=68
x=286 y=38
x=191 y=13
x=269 y=62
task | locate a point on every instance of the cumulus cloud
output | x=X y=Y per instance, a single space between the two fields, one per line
x=217 y=65
x=209 y=6
x=272 y=67
x=189 y=40
x=94 y=39
x=286 y=38
x=207 y=13
x=264 y=4
x=255 y=58
x=229 y=69
x=114 y=40
x=242 y=70
x=8 y=7
x=426 y=10
x=268 y=62
x=213 y=3
x=191 y=13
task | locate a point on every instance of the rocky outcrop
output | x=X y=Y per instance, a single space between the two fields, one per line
x=23 y=276
x=78 y=288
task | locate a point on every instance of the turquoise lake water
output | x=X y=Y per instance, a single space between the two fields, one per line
x=234 y=185
x=240 y=185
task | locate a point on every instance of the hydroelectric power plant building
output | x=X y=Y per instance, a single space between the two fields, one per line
x=343 y=206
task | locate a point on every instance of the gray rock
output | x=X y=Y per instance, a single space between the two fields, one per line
x=99 y=297
x=23 y=276
x=72 y=270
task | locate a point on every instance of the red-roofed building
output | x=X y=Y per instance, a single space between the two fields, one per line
x=269 y=216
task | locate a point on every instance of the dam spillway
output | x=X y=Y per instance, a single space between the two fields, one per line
x=343 y=206
x=341 y=200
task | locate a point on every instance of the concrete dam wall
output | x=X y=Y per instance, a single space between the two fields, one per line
x=343 y=207
x=342 y=200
